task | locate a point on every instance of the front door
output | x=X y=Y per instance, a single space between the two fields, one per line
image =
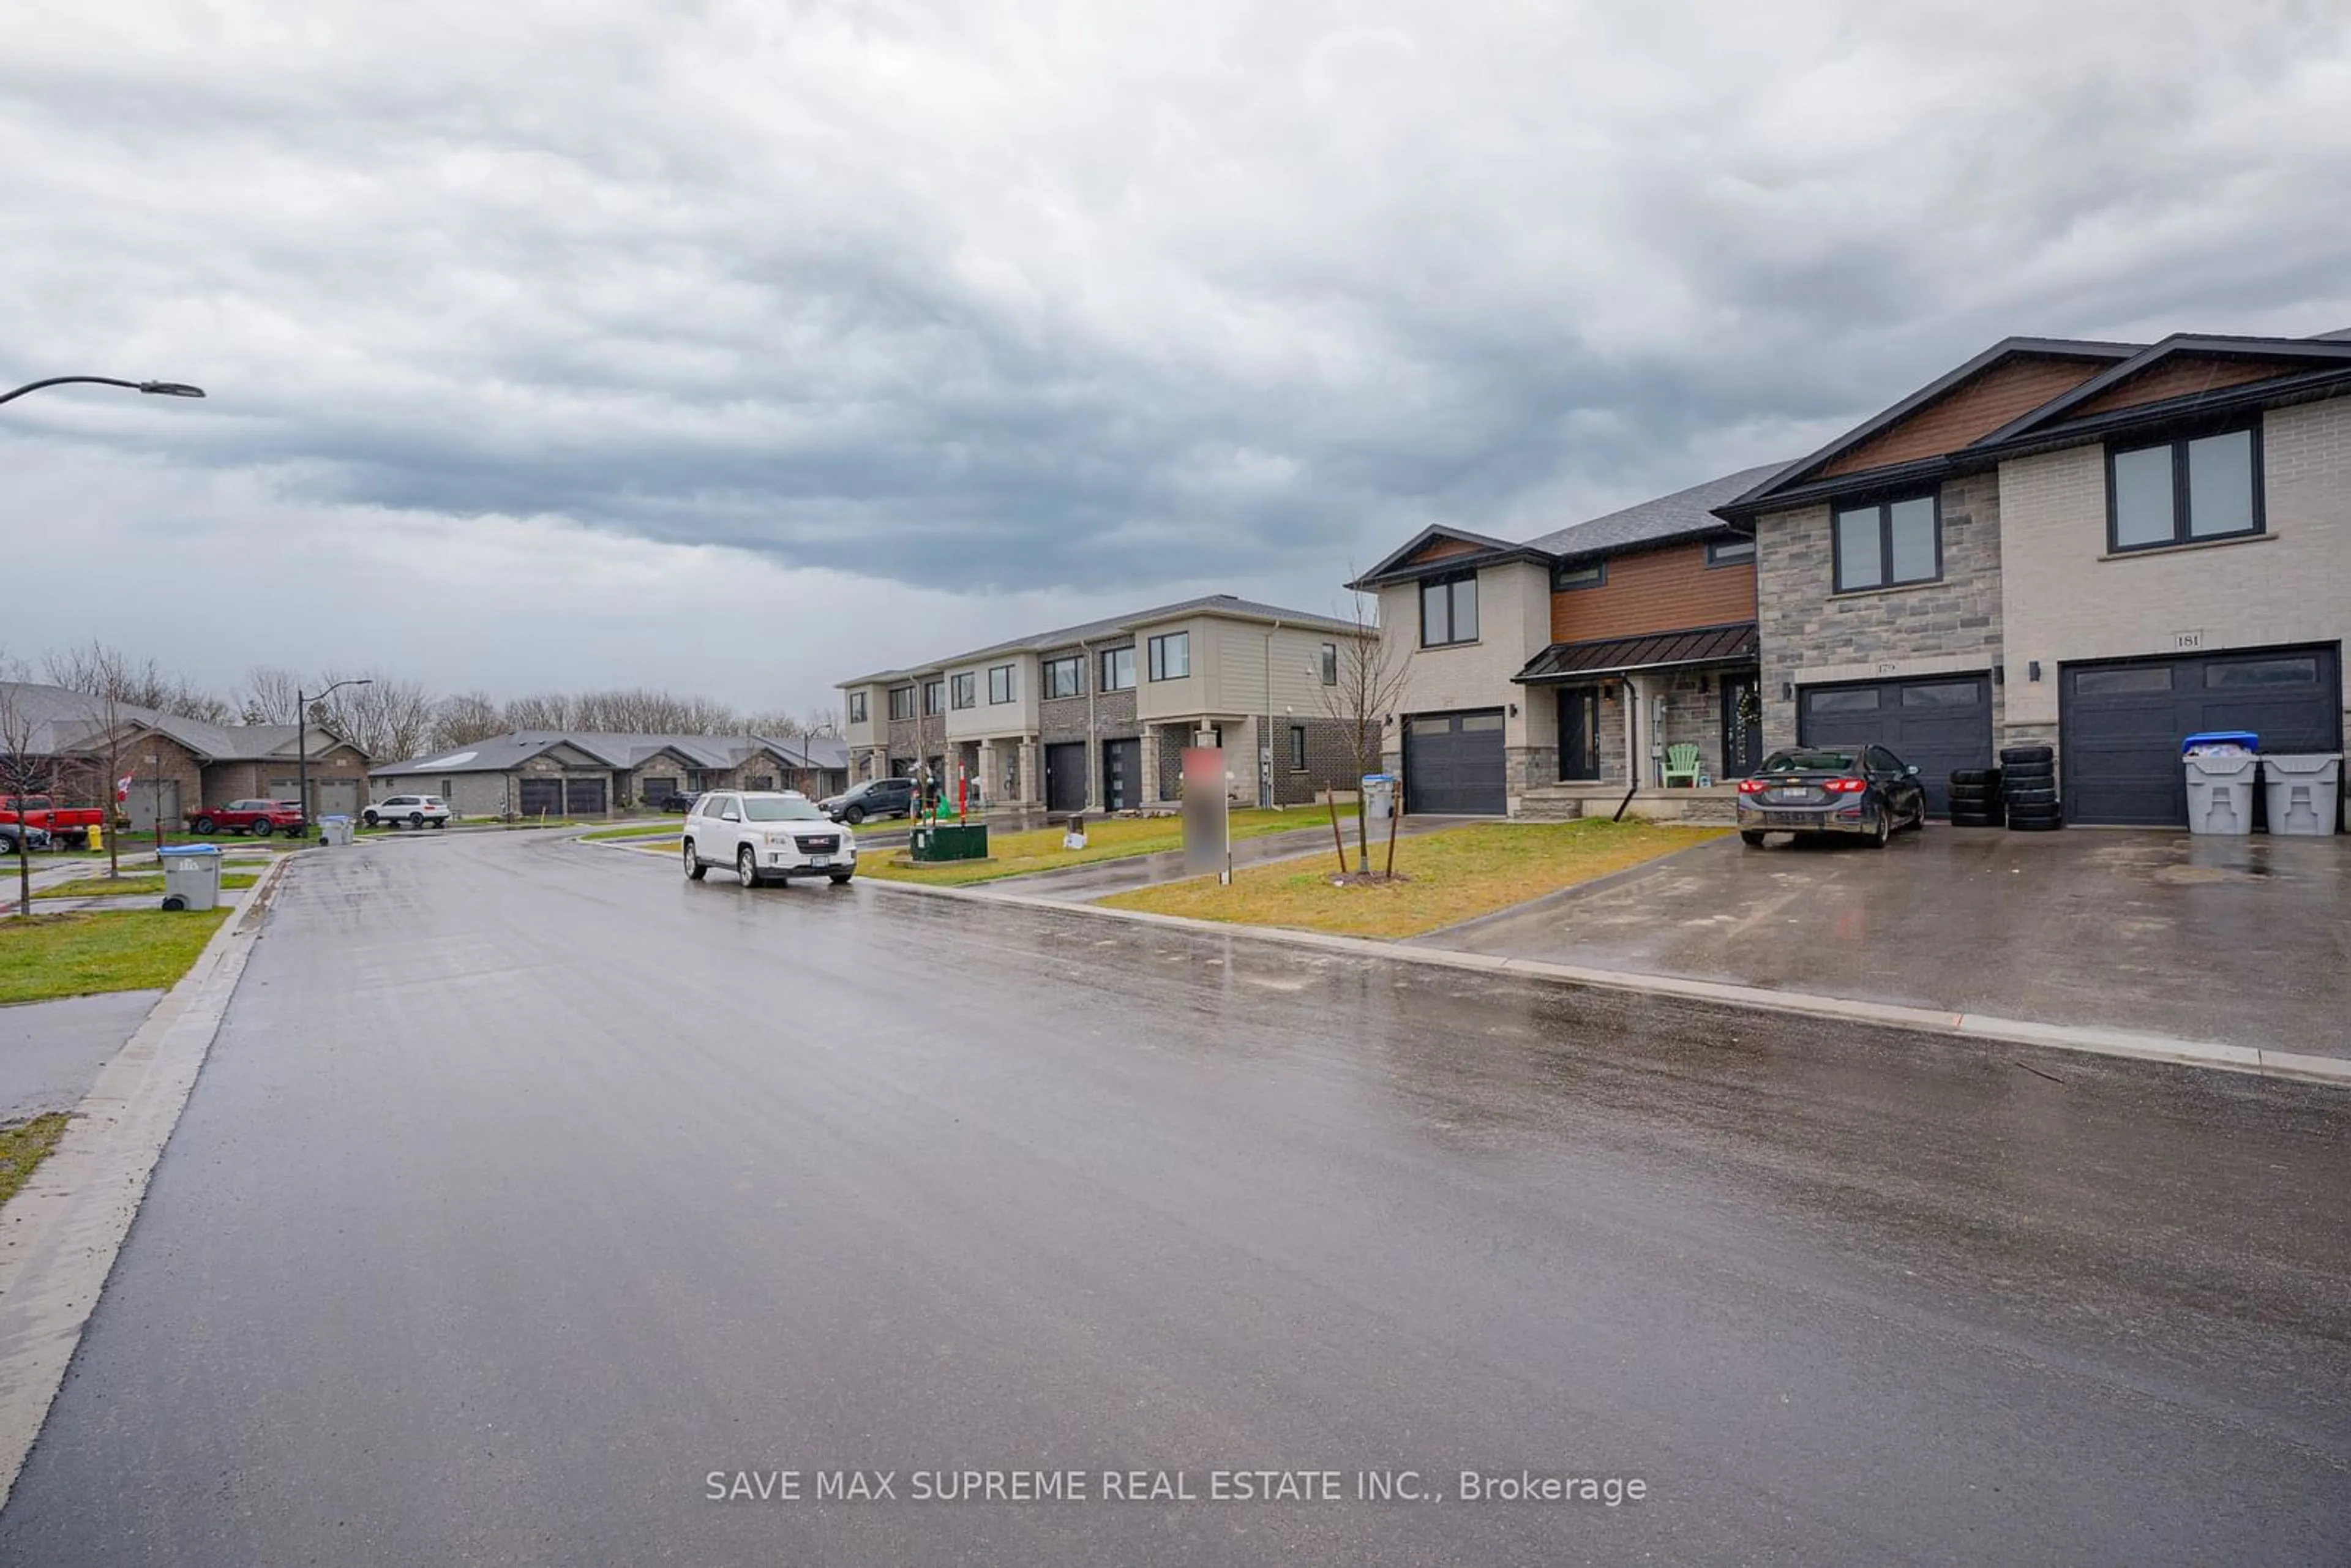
x=1065 y=776
x=1122 y=775
x=1579 y=733
x=1742 y=737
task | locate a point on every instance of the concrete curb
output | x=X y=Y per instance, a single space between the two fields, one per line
x=2090 y=1039
x=61 y=1234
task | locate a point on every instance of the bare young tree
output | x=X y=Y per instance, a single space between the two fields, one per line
x=387 y=719
x=23 y=770
x=105 y=676
x=1370 y=683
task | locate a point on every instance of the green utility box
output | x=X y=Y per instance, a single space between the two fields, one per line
x=937 y=843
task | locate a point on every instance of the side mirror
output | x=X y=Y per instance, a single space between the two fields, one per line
x=1912 y=771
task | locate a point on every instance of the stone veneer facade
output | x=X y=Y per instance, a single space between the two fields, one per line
x=1812 y=635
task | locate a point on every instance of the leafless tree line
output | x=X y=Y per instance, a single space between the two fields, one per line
x=390 y=718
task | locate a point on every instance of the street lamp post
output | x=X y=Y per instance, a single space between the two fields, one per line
x=301 y=750
x=158 y=389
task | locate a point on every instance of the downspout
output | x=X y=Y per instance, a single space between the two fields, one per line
x=1631 y=745
x=1265 y=736
x=1093 y=683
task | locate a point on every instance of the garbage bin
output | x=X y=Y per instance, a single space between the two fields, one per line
x=1379 y=795
x=2306 y=792
x=192 y=876
x=2220 y=766
x=334 y=829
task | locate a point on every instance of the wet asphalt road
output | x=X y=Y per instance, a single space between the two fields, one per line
x=527 y=1184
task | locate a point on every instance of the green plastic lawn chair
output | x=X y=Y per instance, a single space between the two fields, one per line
x=1681 y=763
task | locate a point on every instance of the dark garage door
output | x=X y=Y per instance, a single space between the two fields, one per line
x=1453 y=763
x=2123 y=723
x=583 y=797
x=1939 y=723
x=1065 y=776
x=541 y=798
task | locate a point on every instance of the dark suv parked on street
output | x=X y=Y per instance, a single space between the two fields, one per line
x=874 y=797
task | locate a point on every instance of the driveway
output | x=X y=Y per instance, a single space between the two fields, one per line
x=2246 y=941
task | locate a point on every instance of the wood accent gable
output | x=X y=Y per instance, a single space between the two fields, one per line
x=2183 y=375
x=1444 y=549
x=1669 y=589
x=2004 y=392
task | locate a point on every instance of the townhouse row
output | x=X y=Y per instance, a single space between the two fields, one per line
x=2103 y=546
x=1097 y=716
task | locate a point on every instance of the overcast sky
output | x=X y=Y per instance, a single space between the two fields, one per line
x=742 y=346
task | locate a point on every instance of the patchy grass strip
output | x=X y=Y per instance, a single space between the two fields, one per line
x=1442 y=878
x=24 y=1145
x=45 y=957
x=1107 y=839
x=123 y=886
x=639 y=830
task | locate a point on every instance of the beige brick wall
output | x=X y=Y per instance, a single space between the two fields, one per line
x=2064 y=599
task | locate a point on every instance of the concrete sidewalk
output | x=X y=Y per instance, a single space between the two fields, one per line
x=2241 y=940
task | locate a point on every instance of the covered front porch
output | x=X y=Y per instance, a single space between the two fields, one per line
x=1672 y=711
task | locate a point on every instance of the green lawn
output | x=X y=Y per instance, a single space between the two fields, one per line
x=43 y=957
x=24 y=1145
x=100 y=887
x=637 y=831
x=1442 y=878
x=1107 y=839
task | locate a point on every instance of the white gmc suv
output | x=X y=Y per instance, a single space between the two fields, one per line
x=766 y=837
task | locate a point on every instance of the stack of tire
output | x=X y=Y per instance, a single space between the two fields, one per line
x=2028 y=788
x=1975 y=798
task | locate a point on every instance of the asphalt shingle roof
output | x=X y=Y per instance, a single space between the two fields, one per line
x=1683 y=513
x=501 y=752
x=62 y=720
x=1095 y=631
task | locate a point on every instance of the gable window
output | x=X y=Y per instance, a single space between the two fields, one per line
x=1298 y=749
x=1065 y=677
x=1448 y=610
x=999 y=684
x=967 y=690
x=1729 y=552
x=1589 y=574
x=857 y=707
x=1885 y=543
x=1171 y=656
x=1330 y=663
x=935 y=696
x=2177 y=492
x=901 y=702
x=1118 y=669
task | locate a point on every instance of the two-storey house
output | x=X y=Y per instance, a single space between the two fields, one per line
x=2104 y=545
x=1537 y=676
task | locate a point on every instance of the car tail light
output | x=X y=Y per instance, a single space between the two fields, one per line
x=1751 y=786
x=1845 y=786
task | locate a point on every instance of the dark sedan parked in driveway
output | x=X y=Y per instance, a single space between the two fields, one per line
x=1864 y=790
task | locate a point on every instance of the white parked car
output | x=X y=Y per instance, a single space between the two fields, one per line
x=767 y=836
x=410 y=810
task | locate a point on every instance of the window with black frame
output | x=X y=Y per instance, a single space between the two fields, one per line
x=1065 y=677
x=1888 y=544
x=2185 y=490
x=1448 y=610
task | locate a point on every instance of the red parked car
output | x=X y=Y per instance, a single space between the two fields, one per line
x=71 y=824
x=259 y=818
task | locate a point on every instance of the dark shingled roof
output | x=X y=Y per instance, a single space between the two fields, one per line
x=1682 y=514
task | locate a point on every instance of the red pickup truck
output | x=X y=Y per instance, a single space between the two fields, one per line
x=69 y=824
x=259 y=818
